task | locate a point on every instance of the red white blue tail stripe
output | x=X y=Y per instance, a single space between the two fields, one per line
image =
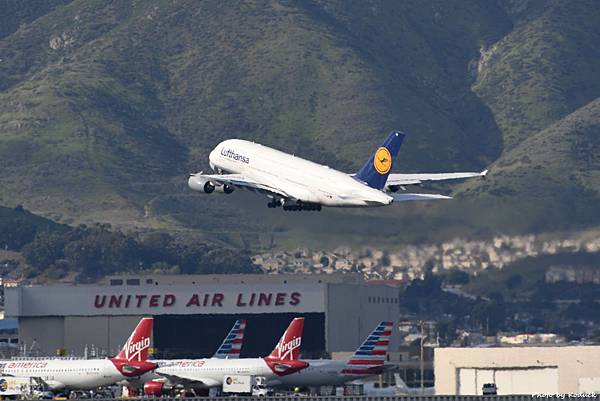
x=232 y=345
x=369 y=358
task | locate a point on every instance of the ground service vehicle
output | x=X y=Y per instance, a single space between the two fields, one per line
x=245 y=385
x=489 y=389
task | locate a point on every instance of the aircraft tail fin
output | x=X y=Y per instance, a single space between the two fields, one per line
x=369 y=358
x=288 y=347
x=138 y=344
x=375 y=171
x=232 y=344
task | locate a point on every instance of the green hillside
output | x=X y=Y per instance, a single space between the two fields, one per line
x=106 y=107
x=543 y=70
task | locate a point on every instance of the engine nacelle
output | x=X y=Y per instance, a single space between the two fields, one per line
x=198 y=183
x=208 y=187
x=156 y=388
x=226 y=189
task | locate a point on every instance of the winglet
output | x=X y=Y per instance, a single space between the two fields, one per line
x=483 y=173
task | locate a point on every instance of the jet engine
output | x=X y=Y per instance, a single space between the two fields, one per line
x=156 y=388
x=227 y=189
x=198 y=183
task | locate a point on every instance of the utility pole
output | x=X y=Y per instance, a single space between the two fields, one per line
x=422 y=367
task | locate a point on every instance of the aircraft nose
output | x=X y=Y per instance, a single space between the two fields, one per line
x=211 y=158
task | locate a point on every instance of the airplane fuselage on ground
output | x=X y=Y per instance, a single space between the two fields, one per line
x=66 y=374
x=320 y=372
x=206 y=373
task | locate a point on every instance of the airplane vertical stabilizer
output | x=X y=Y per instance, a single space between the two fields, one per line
x=138 y=344
x=288 y=347
x=232 y=345
x=369 y=358
x=375 y=172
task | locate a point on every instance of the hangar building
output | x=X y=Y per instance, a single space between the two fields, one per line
x=518 y=370
x=193 y=313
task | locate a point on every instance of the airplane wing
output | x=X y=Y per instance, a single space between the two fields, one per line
x=186 y=379
x=413 y=197
x=241 y=181
x=410 y=179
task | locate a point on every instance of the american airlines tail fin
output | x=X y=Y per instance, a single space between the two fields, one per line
x=137 y=346
x=369 y=358
x=375 y=172
x=288 y=347
x=232 y=344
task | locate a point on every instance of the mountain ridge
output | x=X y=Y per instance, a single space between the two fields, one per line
x=106 y=107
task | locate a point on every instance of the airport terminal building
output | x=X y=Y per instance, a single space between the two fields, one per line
x=193 y=313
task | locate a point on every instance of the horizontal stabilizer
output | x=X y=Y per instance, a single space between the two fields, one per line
x=415 y=197
x=419 y=178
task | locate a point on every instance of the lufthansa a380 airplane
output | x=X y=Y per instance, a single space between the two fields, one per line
x=299 y=184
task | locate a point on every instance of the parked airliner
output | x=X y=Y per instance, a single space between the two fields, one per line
x=230 y=348
x=207 y=373
x=368 y=360
x=78 y=374
x=299 y=184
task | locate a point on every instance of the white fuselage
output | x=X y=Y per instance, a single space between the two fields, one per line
x=320 y=372
x=210 y=372
x=65 y=374
x=299 y=178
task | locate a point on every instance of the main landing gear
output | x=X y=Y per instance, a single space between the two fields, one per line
x=299 y=205
x=275 y=203
x=302 y=206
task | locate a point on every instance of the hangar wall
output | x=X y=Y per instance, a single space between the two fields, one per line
x=51 y=334
x=353 y=311
x=517 y=370
x=44 y=333
x=343 y=310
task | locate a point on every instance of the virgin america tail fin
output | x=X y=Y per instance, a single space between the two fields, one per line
x=138 y=344
x=288 y=347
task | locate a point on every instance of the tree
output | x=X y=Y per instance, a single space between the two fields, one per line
x=513 y=281
x=456 y=276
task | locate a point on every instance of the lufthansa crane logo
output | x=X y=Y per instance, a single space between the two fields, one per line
x=382 y=161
